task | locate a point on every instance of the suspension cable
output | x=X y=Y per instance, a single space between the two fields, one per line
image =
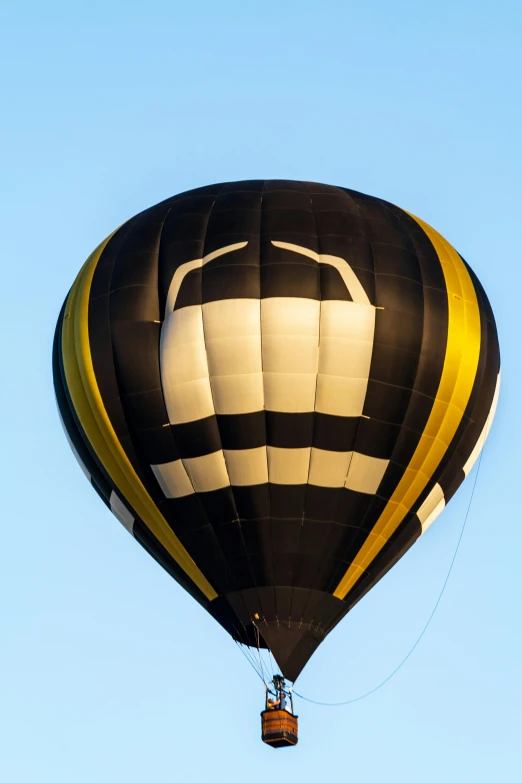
x=270 y=659
x=259 y=654
x=430 y=618
x=250 y=661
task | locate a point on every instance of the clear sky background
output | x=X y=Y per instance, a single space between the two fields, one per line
x=109 y=671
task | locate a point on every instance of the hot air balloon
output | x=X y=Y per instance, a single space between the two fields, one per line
x=276 y=387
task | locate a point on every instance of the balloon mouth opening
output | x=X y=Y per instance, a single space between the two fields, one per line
x=250 y=616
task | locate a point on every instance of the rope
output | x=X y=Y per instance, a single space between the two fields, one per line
x=257 y=666
x=270 y=659
x=252 y=664
x=430 y=618
x=260 y=659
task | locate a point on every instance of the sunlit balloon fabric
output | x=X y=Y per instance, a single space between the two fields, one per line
x=276 y=387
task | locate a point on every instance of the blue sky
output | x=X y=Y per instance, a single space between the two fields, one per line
x=109 y=671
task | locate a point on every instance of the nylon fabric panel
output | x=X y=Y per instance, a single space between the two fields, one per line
x=431 y=507
x=457 y=380
x=238 y=388
x=468 y=465
x=394 y=411
x=290 y=340
x=344 y=360
x=470 y=436
x=247 y=467
x=99 y=479
x=341 y=383
x=365 y=473
x=232 y=330
x=129 y=356
x=329 y=468
x=70 y=422
x=208 y=473
x=135 y=337
x=356 y=292
x=121 y=512
x=89 y=407
x=186 y=383
x=416 y=330
x=191 y=266
x=100 y=339
x=173 y=479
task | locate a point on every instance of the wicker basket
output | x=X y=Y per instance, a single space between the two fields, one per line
x=278 y=728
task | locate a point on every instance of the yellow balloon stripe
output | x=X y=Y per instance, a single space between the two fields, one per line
x=89 y=407
x=456 y=383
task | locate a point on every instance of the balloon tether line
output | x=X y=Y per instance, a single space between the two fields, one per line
x=430 y=618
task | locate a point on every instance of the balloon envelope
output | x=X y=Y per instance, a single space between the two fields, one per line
x=276 y=387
